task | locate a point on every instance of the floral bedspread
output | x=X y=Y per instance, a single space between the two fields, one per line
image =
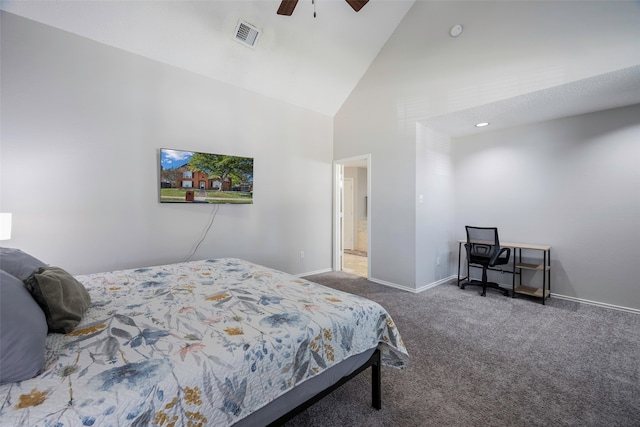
x=197 y=343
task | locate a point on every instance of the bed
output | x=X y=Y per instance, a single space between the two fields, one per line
x=212 y=342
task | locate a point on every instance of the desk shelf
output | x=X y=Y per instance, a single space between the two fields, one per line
x=518 y=265
x=531 y=291
x=544 y=266
x=526 y=266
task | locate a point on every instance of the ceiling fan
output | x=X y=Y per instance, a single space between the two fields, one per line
x=287 y=6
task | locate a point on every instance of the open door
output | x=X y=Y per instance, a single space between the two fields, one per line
x=348 y=214
x=338 y=231
x=352 y=222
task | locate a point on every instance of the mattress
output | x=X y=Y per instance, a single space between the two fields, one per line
x=198 y=343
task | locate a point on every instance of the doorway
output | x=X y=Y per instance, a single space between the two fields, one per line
x=352 y=223
x=348 y=211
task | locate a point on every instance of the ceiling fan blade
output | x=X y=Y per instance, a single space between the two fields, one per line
x=357 y=4
x=286 y=7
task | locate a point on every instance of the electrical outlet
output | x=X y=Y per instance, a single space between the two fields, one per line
x=301 y=254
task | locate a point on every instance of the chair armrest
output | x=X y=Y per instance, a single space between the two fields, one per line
x=495 y=257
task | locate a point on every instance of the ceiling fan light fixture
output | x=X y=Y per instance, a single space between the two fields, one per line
x=287 y=6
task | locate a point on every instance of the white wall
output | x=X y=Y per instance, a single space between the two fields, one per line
x=571 y=183
x=507 y=49
x=82 y=124
x=434 y=208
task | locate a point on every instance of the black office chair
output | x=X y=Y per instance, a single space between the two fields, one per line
x=483 y=249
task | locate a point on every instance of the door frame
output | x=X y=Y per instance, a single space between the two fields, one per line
x=346 y=227
x=338 y=203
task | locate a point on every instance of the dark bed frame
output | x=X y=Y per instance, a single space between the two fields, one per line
x=376 y=389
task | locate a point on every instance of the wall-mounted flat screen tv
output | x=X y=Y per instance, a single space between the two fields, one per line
x=194 y=177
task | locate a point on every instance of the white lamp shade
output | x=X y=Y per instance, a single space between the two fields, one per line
x=5 y=226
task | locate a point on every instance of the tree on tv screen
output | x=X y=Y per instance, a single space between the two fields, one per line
x=225 y=168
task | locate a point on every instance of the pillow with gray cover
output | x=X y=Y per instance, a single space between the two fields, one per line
x=18 y=263
x=23 y=331
x=62 y=298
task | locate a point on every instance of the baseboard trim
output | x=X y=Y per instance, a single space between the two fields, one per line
x=434 y=284
x=596 y=303
x=311 y=273
x=415 y=291
x=391 y=285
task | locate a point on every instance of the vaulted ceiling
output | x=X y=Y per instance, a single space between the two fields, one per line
x=310 y=61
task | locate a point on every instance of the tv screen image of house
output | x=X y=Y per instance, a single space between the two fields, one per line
x=194 y=177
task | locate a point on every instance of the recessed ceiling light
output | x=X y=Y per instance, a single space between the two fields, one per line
x=481 y=125
x=456 y=30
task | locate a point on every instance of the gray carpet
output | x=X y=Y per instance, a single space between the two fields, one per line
x=493 y=361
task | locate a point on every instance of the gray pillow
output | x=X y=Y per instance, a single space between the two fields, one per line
x=62 y=298
x=23 y=331
x=18 y=263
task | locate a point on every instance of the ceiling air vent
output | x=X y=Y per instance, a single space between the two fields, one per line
x=247 y=34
